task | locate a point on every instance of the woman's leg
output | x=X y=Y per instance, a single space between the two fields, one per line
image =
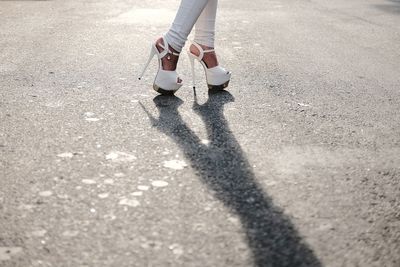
x=188 y=13
x=205 y=33
x=205 y=25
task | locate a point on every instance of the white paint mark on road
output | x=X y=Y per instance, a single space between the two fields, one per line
x=129 y=202
x=117 y=156
x=159 y=183
x=175 y=164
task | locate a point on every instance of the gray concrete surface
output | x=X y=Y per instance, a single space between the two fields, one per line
x=298 y=165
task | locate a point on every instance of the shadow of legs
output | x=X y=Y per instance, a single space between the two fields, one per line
x=224 y=169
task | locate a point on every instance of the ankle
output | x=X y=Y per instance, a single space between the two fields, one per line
x=194 y=50
x=170 y=61
x=209 y=58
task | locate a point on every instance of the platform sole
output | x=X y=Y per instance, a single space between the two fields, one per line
x=218 y=87
x=163 y=91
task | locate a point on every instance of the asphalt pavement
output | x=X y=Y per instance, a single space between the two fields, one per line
x=296 y=164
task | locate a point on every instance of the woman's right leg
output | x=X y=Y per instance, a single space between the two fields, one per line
x=188 y=13
x=205 y=25
x=205 y=33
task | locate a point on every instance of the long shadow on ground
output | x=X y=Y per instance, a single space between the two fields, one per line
x=223 y=167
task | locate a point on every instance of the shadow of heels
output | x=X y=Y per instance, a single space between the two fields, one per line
x=224 y=169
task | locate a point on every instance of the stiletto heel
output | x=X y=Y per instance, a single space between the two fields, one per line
x=152 y=54
x=217 y=77
x=191 y=58
x=166 y=81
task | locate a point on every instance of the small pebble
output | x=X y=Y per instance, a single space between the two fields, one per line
x=176 y=249
x=108 y=181
x=129 y=202
x=103 y=195
x=89 y=114
x=88 y=181
x=205 y=142
x=92 y=119
x=143 y=187
x=65 y=155
x=303 y=105
x=118 y=156
x=175 y=164
x=45 y=193
x=159 y=183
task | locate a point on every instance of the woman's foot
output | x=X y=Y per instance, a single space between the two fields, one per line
x=217 y=77
x=170 y=61
x=209 y=58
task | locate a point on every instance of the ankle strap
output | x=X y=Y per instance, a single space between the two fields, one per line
x=201 y=50
x=166 y=49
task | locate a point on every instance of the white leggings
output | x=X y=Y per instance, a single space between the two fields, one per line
x=201 y=12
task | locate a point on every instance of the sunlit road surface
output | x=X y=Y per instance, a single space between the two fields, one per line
x=297 y=165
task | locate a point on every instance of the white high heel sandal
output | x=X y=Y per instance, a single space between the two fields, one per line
x=217 y=77
x=166 y=81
